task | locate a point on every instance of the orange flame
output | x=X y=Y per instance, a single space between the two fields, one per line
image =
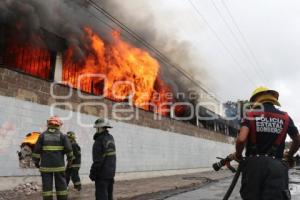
x=128 y=71
x=27 y=58
x=122 y=70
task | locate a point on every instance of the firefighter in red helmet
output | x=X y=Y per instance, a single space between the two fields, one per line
x=48 y=156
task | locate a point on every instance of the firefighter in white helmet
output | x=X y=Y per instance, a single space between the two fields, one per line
x=104 y=161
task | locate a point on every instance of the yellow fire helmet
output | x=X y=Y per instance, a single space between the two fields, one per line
x=71 y=135
x=31 y=138
x=264 y=94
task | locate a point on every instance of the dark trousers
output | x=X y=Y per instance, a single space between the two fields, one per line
x=264 y=178
x=73 y=174
x=104 y=189
x=60 y=185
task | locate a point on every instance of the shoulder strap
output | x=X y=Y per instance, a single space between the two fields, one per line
x=283 y=133
x=281 y=136
x=253 y=132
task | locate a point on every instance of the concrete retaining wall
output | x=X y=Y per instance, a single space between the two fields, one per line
x=28 y=88
x=139 y=148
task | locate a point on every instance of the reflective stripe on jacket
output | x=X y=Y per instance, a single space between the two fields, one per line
x=50 y=149
x=104 y=156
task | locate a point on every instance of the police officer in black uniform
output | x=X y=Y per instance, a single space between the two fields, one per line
x=263 y=132
x=104 y=161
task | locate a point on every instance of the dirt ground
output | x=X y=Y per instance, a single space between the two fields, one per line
x=142 y=189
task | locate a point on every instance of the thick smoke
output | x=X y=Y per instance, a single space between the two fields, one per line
x=66 y=19
x=179 y=52
x=27 y=19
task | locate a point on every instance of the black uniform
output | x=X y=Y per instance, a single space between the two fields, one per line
x=48 y=155
x=72 y=171
x=264 y=175
x=104 y=165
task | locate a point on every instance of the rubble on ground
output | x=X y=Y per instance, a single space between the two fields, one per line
x=27 y=188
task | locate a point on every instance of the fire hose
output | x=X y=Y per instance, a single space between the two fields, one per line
x=226 y=162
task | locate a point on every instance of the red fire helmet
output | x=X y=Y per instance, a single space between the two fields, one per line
x=54 y=120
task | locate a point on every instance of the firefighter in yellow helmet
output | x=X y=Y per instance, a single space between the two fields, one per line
x=48 y=156
x=263 y=95
x=263 y=133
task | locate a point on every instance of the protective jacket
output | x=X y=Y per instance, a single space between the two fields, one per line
x=104 y=156
x=50 y=149
x=264 y=175
x=72 y=173
x=77 y=154
x=268 y=131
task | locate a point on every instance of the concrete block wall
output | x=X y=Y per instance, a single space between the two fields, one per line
x=28 y=88
x=139 y=148
x=143 y=144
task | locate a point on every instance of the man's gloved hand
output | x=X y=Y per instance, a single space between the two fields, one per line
x=235 y=157
x=37 y=165
x=77 y=187
x=93 y=173
x=92 y=176
x=289 y=160
x=69 y=164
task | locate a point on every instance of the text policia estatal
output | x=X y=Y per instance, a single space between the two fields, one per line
x=269 y=124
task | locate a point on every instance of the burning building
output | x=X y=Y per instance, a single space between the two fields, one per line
x=81 y=54
x=44 y=42
x=118 y=62
x=114 y=69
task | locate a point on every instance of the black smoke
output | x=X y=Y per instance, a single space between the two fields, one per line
x=179 y=52
x=27 y=20
x=66 y=18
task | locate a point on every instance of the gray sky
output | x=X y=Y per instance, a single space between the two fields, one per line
x=264 y=51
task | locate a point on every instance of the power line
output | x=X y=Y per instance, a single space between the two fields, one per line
x=146 y=44
x=105 y=23
x=245 y=40
x=237 y=41
x=140 y=39
x=221 y=42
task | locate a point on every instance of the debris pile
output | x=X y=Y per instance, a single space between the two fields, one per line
x=27 y=188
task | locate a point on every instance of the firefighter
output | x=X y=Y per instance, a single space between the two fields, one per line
x=263 y=133
x=104 y=161
x=48 y=156
x=72 y=172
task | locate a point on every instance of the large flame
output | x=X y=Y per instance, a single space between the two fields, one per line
x=129 y=72
x=117 y=69
x=27 y=58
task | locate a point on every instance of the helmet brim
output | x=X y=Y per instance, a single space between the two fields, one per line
x=273 y=92
x=95 y=126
